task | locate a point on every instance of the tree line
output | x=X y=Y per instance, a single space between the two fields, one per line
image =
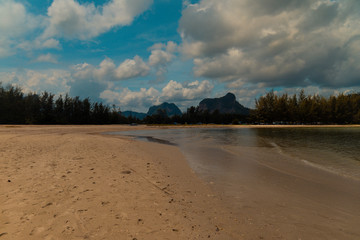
x=32 y=108
x=18 y=108
x=307 y=109
x=278 y=109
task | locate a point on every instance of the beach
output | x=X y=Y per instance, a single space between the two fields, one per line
x=74 y=182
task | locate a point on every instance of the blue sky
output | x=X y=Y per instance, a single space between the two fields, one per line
x=137 y=53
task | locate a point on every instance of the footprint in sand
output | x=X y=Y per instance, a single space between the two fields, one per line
x=3 y=234
x=46 y=205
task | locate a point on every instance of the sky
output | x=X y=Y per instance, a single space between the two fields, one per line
x=139 y=53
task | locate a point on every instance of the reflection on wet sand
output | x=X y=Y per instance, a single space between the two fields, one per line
x=261 y=178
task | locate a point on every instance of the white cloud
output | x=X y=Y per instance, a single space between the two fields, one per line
x=14 y=19
x=276 y=43
x=132 y=68
x=184 y=95
x=47 y=58
x=161 y=56
x=72 y=20
x=98 y=81
x=107 y=70
x=175 y=91
x=66 y=19
x=127 y=99
x=15 y=24
x=55 y=81
x=52 y=80
x=83 y=71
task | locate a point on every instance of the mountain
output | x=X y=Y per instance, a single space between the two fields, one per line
x=169 y=108
x=225 y=105
x=137 y=115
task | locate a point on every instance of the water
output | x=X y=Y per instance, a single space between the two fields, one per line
x=332 y=149
x=336 y=150
x=281 y=183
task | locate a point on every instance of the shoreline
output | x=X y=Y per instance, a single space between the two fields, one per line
x=77 y=182
x=275 y=196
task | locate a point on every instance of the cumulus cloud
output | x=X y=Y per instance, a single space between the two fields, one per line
x=97 y=81
x=132 y=68
x=72 y=20
x=47 y=58
x=275 y=43
x=89 y=80
x=161 y=56
x=127 y=99
x=176 y=91
x=67 y=19
x=107 y=70
x=15 y=23
x=183 y=94
x=162 y=53
x=15 y=20
x=52 y=80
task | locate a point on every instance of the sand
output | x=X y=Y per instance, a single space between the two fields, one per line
x=74 y=183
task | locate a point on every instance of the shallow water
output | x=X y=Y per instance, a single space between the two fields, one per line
x=336 y=150
x=278 y=183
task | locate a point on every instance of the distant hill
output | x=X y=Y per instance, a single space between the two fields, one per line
x=170 y=109
x=137 y=115
x=225 y=105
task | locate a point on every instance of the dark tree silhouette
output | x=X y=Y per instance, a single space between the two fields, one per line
x=17 y=108
x=311 y=109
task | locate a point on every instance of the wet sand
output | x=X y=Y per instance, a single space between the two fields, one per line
x=274 y=195
x=277 y=198
x=74 y=183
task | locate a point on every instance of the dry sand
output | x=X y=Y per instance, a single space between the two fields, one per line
x=73 y=183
